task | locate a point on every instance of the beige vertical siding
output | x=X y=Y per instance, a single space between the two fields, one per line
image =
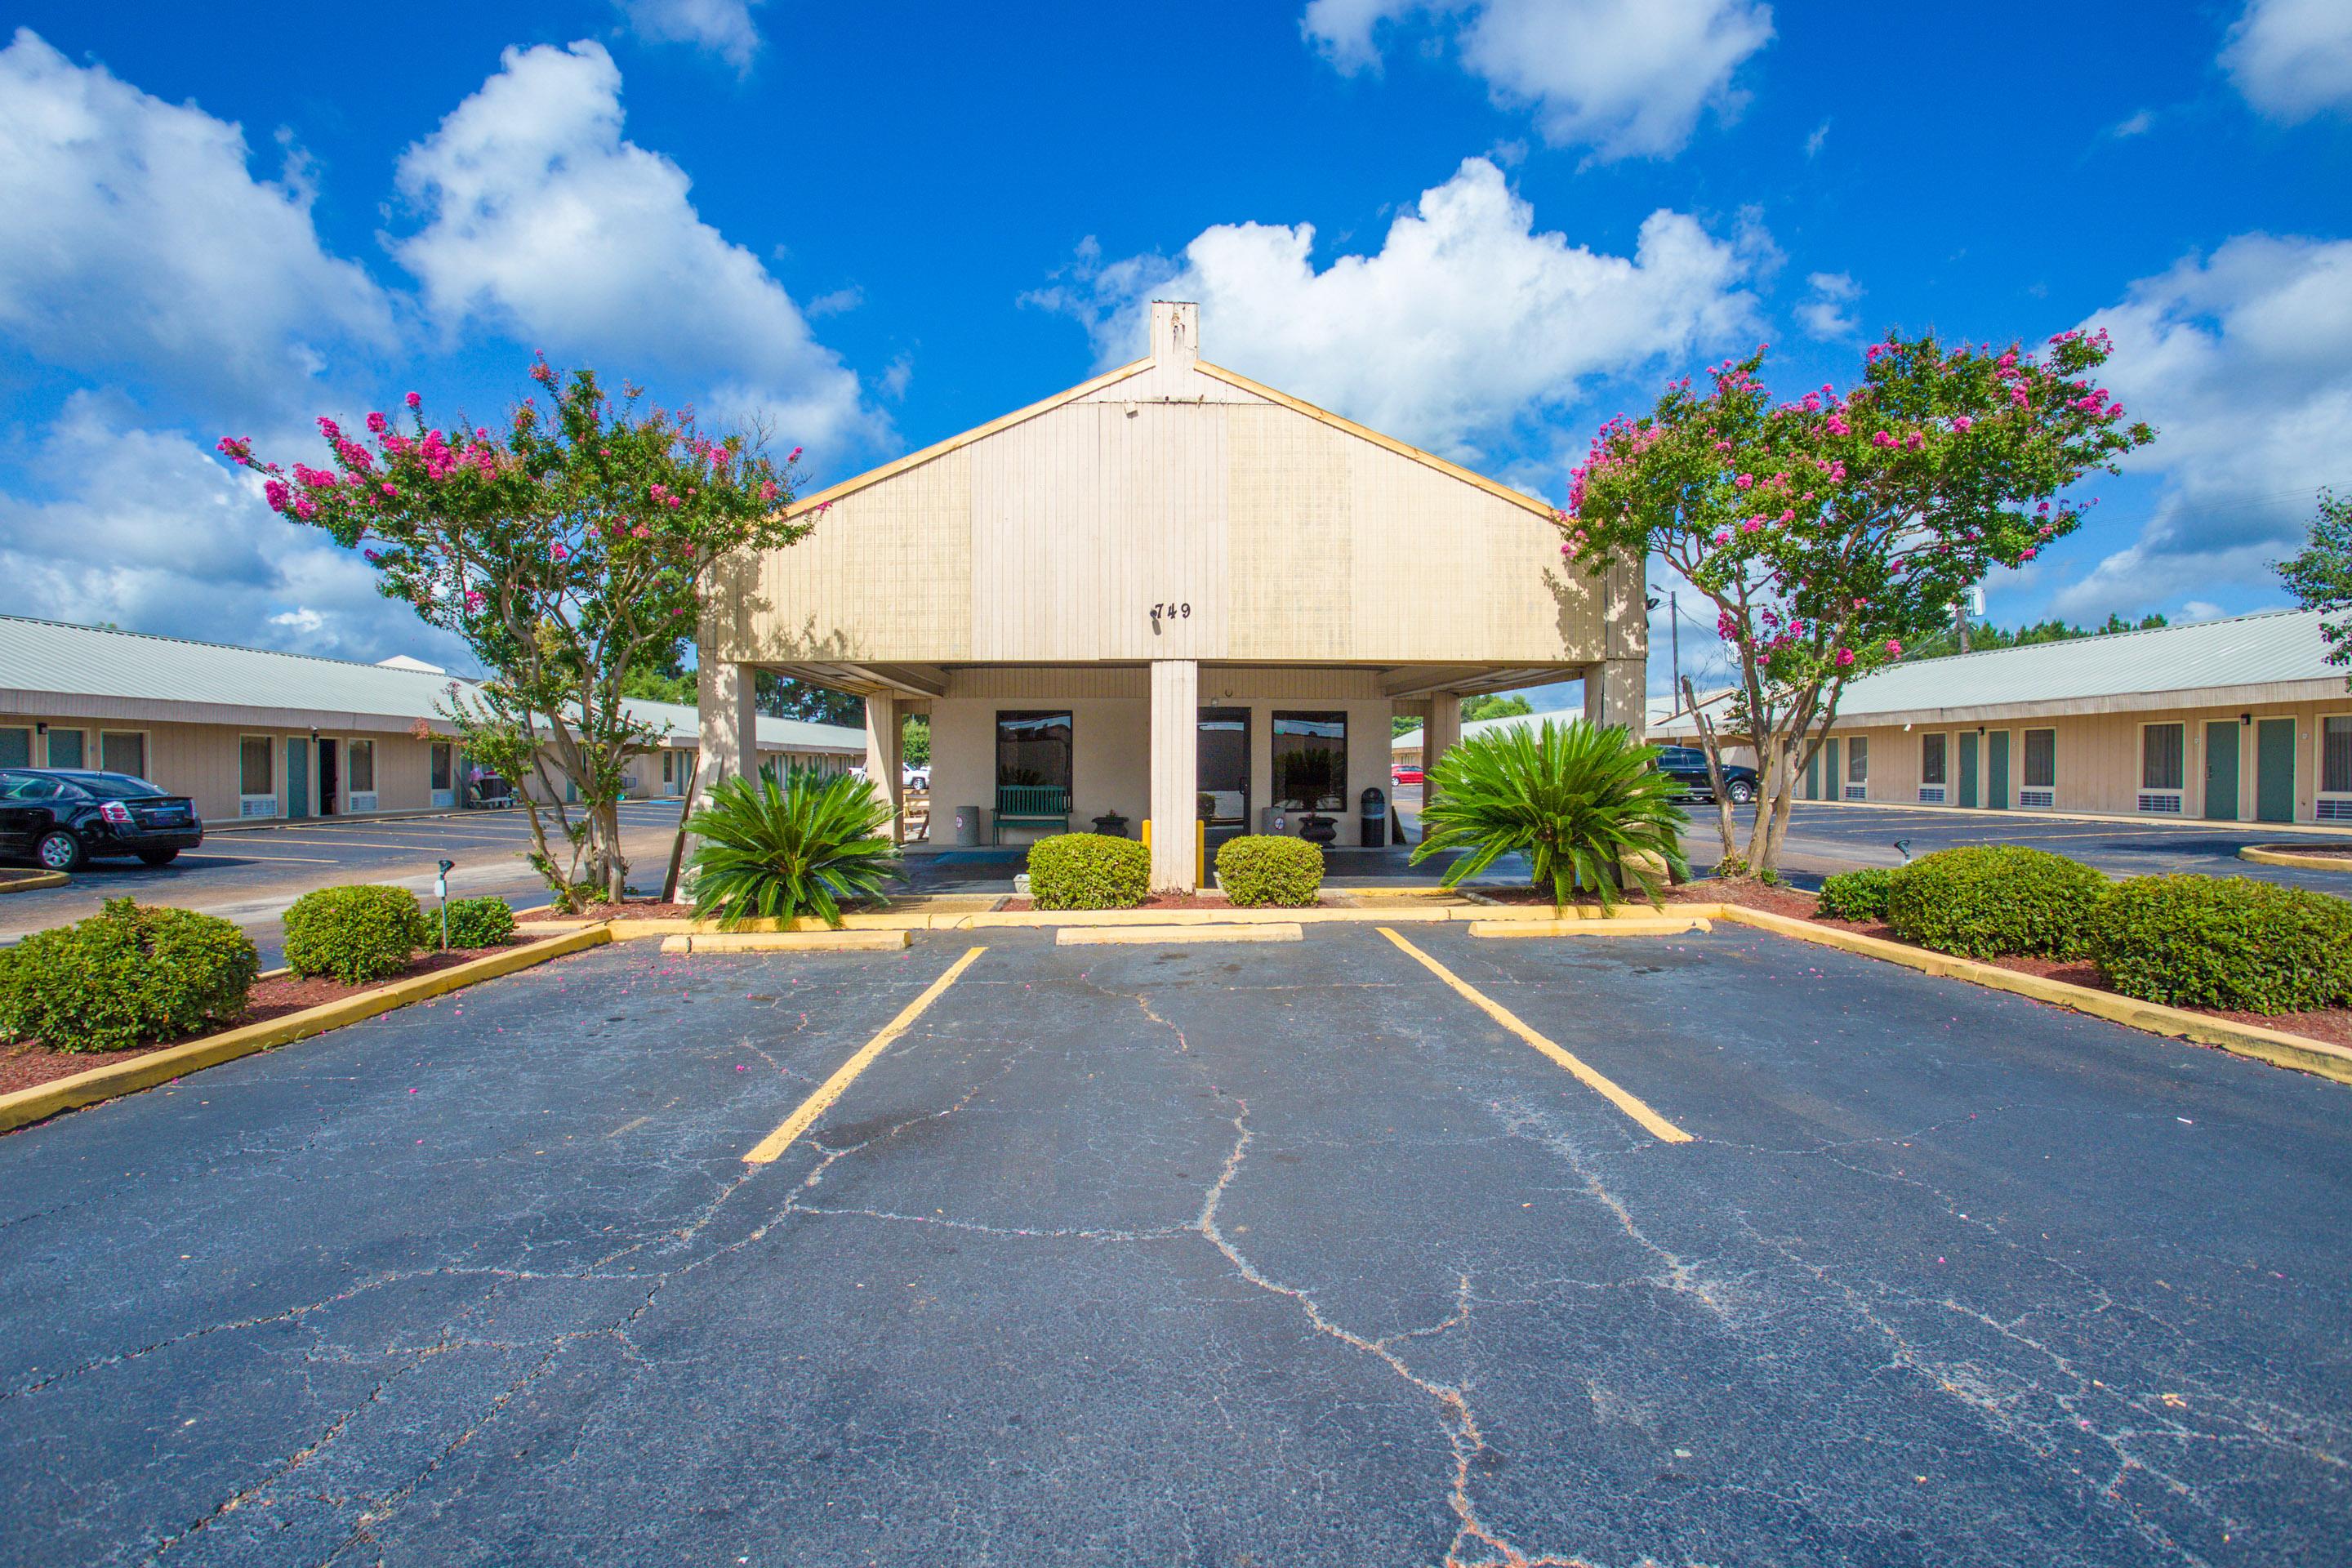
x=2098 y=757
x=200 y=760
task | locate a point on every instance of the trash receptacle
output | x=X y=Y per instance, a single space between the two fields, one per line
x=967 y=826
x=1374 y=824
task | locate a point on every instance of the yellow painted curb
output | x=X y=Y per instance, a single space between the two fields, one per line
x=789 y=942
x=1265 y=931
x=42 y=1101
x=1661 y=927
x=38 y=879
x=2274 y=1046
x=2261 y=856
x=1420 y=911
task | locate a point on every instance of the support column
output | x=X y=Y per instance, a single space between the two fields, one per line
x=729 y=724
x=1616 y=692
x=728 y=741
x=1175 y=775
x=883 y=732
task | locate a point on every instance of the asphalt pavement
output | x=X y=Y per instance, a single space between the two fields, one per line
x=1283 y=1254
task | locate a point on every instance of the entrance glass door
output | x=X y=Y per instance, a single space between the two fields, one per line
x=1225 y=781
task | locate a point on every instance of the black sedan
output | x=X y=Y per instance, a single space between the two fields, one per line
x=1686 y=765
x=61 y=818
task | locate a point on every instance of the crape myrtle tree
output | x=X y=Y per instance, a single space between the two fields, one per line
x=568 y=550
x=2320 y=577
x=1833 y=529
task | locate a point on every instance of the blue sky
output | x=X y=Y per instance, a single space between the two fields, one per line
x=1483 y=227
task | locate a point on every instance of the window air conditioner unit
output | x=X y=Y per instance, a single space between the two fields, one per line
x=1931 y=795
x=2030 y=797
x=2163 y=804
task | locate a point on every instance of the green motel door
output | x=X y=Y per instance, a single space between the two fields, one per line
x=1813 y=776
x=2274 y=770
x=1968 y=768
x=2221 y=769
x=1997 y=770
x=298 y=776
x=1832 y=776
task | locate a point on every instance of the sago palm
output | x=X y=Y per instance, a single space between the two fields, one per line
x=1582 y=802
x=773 y=851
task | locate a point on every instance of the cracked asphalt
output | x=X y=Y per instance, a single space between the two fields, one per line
x=1241 y=1256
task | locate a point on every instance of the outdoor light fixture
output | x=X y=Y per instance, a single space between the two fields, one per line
x=441 y=892
x=1650 y=600
x=2245 y=718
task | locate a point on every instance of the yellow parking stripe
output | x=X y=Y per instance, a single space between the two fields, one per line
x=816 y=1104
x=290 y=860
x=1657 y=1126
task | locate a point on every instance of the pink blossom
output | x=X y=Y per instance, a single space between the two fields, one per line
x=1963 y=424
x=376 y=424
x=415 y=401
x=1844 y=657
x=1893 y=649
x=1744 y=481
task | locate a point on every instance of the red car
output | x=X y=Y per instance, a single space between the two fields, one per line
x=1404 y=773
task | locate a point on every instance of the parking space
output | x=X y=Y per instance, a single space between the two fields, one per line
x=1297 y=1253
x=1825 y=837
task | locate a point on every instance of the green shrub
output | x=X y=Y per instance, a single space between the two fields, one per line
x=801 y=845
x=2225 y=941
x=126 y=976
x=1993 y=900
x=1088 y=871
x=1857 y=895
x=479 y=922
x=1270 y=868
x=1581 y=801
x=355 y=933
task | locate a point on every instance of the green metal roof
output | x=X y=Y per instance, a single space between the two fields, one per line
x=67 y=661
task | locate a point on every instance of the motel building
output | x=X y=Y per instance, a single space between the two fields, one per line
x=1167 y=596
x=2241 y=720
x=255 y=735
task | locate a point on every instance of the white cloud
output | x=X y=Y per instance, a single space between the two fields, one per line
x=149 y=531
x=546 y=222
x=2244 y=363
x=1818 y=138
x=724 y=26
x=1628 y=78
x=2292 y=58
x=2139 y=124
x=1466 y=318
x=1824 y=311
x=139 y=244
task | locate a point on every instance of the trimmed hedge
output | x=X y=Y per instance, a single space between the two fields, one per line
x=355 y=933
x=479 y=922
x=1270 y=868
x=126 y=976
x=1856 y=895
x=2225 y=941
x=1088 y=871
x=1993 y=900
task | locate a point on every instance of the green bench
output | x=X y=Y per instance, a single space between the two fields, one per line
x=1030 y=805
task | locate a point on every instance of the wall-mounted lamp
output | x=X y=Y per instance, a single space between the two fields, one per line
x=2245 y=718
x=40 y=729
x=1650 y=600
x=314 y=731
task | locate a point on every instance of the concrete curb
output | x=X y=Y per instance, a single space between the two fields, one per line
x=42 y=1101
x=34 y=882
x=1663 y=925
x=625 y=929
x=2273 y=1045
x=790 y=941
x=1154 y=935
x=2264 y=856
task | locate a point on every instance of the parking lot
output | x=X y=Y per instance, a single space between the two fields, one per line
x=1280 y=1254
x=250 y=874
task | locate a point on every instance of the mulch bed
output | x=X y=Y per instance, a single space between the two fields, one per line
x=23 y=1066
x=2321 y=851
x=628 y=909
x=1171 y=901
x=2333 y=1025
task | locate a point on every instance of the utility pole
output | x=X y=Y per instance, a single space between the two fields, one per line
x=1960 y=622
x=1675 y=631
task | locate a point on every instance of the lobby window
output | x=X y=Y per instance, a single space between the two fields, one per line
x=1034 y=749
x=2039 y=785
x=1310 y=761
x=2162 y=750
x=363 y=765
x=1932 y=769
x=1857 y=760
